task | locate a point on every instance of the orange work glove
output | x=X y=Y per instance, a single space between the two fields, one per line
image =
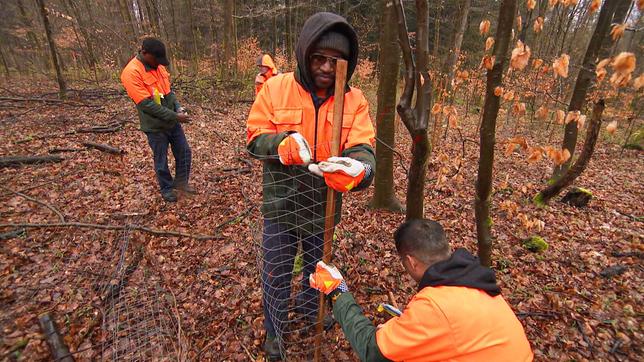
x=340 y=173
x=294 y=150
x=327 y=278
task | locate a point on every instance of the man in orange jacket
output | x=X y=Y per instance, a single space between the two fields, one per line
x=267 y=69
x=457 y=315
x=147 y=82
x=289 y=129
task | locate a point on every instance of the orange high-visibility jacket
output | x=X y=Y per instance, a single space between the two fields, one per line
x=140 y=82
x=284 y=105
x=260 y=79
x=446 y=323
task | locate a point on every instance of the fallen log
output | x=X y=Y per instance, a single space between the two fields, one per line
x=104 y=148
x=25 y=160
x=57 y=346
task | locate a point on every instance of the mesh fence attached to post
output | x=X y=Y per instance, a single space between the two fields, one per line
x=289 y=245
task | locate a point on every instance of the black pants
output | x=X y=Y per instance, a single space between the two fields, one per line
x=159 y=142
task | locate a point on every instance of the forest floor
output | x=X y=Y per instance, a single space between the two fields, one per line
x=126 y=291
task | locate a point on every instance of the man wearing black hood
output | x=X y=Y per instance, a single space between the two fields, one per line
x=458 y=313
x=289 y=129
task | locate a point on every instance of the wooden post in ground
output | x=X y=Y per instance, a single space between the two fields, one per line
x=329 y=215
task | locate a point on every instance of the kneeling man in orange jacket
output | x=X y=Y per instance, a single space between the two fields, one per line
x=458 y=313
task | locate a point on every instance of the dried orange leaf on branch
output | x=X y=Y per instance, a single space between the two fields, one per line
x=572 y=116
x=595 y=5
x=436 y=109
x=538 y=25
x=560 y=116
x=484 y=27
x=620 y=79
x=489 y=43
x=624 y=63
x=612 y=127
x=508 y=96
x=559 y=157
x=542 y=113
x=569 y=2
x=488 y=62
x=531 y=4
x=536 y=154
x=581 y=121
x=537 y=63
x=560 y=66
x=638 y=82
x=498 y=91
x=617 y=31
x=520 y=56
x=552 y=3
x=518 y=109
x=519 y=22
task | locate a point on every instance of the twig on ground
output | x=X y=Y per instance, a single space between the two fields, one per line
x=50 y=207
x=580 y=327
x=113 y=227
x=104 y=148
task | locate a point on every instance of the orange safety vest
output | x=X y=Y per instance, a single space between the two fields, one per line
x=140 y=84
x=457 y=324
x=284 y=105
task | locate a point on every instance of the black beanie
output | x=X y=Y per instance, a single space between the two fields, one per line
x=336 y=41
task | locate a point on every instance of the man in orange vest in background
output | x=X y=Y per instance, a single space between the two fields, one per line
x=267 y=69
x=147 y=82
x=289 y=129
x=458 y=313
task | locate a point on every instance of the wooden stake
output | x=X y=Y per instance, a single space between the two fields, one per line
x=329 y=215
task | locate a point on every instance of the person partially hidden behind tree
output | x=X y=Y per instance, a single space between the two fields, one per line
x=267 y=70
x=147 y=82
x=458 y=313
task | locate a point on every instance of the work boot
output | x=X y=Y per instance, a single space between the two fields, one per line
x=169 y=196
x=272 y=349
x=187 y=189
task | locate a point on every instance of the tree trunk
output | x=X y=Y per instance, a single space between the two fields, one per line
x=193 y=39
x=289 y=30
x=416 y=119
x=228 y=36
x=5 y=65
x=571 y=174
x=452 y=57
x=62 y=87
x=618 y=18
x=388 y=69
x=585 y=78
x=482 y=201
x=82 y=27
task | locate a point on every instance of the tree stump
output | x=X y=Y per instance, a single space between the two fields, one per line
x=577 y=197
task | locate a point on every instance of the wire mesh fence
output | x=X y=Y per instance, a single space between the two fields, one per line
x=289 y=243
x=109 y=302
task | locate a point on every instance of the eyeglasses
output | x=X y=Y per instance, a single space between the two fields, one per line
x=321 y=59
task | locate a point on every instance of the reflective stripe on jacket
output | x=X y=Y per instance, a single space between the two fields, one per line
x=450 y=323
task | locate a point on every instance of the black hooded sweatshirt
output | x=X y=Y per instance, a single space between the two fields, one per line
x=462 y=269
x=313 y=29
